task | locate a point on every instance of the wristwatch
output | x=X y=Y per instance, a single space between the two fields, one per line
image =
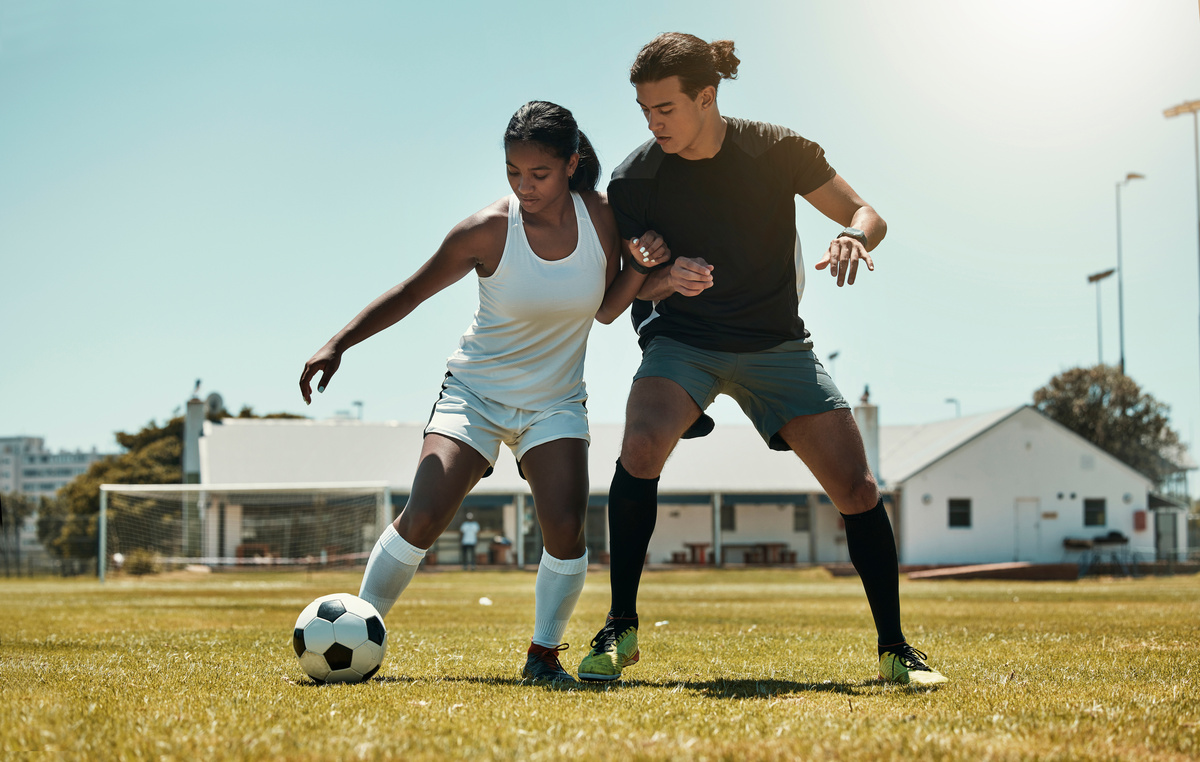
x=854 y=233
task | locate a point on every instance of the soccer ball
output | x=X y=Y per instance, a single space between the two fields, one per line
x=340 y=638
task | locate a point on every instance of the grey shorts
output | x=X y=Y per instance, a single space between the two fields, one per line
x=772 y=386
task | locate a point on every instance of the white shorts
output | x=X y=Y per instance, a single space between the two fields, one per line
x=483 y=424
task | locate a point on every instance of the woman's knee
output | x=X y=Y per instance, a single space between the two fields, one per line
x=563 y=530
x=420 y=527
x=566 y=525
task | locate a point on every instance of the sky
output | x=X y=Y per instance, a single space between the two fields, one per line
x=211 y=190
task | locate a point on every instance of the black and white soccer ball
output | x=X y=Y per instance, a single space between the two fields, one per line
x=340 y=638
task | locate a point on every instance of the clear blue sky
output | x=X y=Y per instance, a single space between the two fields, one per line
x=210 y=190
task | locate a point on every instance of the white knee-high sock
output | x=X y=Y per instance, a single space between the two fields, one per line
x=556 y=592
x=393 y=562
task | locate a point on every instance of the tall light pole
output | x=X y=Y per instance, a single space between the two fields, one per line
x=1191 y=107
x=831 y=357
x=1121 y=270
x=957 y=409
x=1096 y=278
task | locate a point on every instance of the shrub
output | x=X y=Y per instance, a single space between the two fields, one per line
x=142 y=561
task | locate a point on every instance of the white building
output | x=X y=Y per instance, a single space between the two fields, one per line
x=1013 y=485
x=28 y=468
x=1004 y=486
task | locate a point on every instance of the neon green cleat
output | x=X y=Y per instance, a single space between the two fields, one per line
x=613 y=650
x=906 y=665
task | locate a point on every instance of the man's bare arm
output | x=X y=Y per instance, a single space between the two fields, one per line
x=838 y=201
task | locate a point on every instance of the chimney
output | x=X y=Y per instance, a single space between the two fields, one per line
x=866 y=416
x=193 y=423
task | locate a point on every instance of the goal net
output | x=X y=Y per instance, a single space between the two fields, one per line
x=145 y=528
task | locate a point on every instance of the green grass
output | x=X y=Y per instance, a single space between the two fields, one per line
x=750 y=665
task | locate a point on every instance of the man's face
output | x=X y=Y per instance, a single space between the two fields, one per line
x=675 y=119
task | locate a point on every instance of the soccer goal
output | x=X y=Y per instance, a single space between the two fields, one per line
x=145 y=528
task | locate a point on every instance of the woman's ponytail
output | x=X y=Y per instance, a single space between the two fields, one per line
x=587 y=172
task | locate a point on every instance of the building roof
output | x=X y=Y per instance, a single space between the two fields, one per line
x=905 y=451
x=244 y=451
x=734 y=459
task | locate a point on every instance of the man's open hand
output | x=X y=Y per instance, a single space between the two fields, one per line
x=842 y=259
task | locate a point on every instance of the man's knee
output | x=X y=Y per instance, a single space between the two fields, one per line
x=644 y=451
x=861 y=495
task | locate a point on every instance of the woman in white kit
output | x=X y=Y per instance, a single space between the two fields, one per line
x=548 y=259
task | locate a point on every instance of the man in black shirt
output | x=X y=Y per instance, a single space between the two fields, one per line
x=722 y=318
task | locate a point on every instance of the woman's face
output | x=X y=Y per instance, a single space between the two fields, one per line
x=536 y=175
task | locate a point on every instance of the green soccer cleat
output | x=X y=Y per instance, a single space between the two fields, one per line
x=906 y=665
x=613 y=650
x=542 y=665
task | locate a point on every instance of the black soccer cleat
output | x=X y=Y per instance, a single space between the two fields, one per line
x=542 y=665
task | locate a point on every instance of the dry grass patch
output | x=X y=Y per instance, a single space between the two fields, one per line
x=747 y=665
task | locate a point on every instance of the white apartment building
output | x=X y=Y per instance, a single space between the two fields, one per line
x=28 y=468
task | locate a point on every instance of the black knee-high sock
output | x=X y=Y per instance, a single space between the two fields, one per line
x=872 y=549
x=632 y=513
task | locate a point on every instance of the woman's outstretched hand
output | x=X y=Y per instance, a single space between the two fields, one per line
x=325 y=361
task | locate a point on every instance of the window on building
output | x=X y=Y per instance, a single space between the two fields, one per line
x=1093 y=512
x=728 y=520
x=801 y=519
x=960 y=512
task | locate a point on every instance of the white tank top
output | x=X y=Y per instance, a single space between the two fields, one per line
x=526 y=346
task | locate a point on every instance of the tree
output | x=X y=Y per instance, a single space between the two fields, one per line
x=153 y=456
x=68 y=526
x=1109 y=409
x=248 y=412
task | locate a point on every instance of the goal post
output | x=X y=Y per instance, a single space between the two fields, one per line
x=144 y=528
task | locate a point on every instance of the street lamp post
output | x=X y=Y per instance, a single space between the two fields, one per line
x=1096 y=278
x=1121 y=270
x=831 y=357
x=957 y=408
x=1191 y=107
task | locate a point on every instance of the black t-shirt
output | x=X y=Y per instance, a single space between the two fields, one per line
x=737 y=211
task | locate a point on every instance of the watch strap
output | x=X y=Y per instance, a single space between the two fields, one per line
x=638 y=266
x=854 y=233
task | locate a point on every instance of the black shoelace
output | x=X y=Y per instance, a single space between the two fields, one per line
x=607 y=636
x=911 y=657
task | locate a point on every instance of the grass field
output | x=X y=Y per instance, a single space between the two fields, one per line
x=743 y=665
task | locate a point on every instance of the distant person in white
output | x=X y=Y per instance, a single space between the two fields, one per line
x=469 y=530
x=549 y=261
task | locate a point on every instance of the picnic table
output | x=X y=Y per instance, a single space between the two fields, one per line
x=765 y=553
